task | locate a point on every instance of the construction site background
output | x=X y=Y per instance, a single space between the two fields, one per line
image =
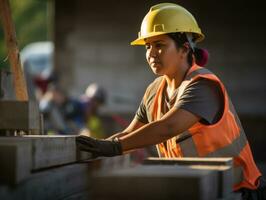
x=91 y=44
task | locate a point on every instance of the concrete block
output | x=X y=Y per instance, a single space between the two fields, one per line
x=222 y=165
x=188 y=161
x=19 y=115
x=21 y=155
x=15 y=159
x=50 y=151
x=83 y=156
x=65 y=182
x=108 y=164
x=112 y=163
x=155 y=182
x=232 y=196
x=225 y=178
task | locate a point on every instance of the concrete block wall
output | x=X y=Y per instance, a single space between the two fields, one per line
x=49 y=167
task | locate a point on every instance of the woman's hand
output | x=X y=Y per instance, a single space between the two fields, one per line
x=99 y=147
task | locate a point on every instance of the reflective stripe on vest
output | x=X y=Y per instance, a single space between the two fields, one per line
x=222 y=139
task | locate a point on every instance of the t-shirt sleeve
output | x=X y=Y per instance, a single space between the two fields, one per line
x=203 y=98
x=141 y=114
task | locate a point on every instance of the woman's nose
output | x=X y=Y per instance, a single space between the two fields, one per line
x=153 y=52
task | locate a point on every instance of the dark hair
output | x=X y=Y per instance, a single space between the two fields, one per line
x=201 y=55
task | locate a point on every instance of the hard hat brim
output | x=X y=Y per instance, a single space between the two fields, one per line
x=138 y=42
x=141 y=40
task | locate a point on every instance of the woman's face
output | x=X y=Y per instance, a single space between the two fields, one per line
x=163 y=56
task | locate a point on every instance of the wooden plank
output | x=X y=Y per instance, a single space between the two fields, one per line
x=13 y=52
x=155 y=182
x=188 y=161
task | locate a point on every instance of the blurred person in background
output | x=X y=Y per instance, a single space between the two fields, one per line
x=186 y=111
x=94 y=97
x=61 y=113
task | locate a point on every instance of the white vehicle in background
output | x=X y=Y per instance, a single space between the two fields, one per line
x=38 y=67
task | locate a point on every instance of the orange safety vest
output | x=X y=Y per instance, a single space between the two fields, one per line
x=226 y=138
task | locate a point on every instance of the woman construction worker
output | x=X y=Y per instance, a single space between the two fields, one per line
x=186 y=111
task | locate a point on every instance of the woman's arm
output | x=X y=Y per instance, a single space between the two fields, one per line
x=173 y=123
x=134 y=125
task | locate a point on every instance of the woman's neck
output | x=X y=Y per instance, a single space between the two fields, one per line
x=173 y=82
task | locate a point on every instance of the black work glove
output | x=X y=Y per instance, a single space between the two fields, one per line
x=99 y=147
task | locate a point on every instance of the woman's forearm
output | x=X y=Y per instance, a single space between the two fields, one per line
x=173 y=123
x=120 y=134
x=134 y=125
x=149 y=134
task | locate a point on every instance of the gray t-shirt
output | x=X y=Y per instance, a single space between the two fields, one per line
x=202 y=97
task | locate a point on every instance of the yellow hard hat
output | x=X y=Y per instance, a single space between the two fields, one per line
x=166 y=18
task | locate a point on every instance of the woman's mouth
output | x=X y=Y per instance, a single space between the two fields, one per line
x=155 y=63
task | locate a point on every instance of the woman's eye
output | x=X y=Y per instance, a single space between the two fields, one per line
x=147 y=46
x=159 y=45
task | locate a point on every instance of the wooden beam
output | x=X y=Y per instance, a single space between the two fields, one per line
x=19 y=83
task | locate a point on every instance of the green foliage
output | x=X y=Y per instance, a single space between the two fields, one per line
x=31 y=23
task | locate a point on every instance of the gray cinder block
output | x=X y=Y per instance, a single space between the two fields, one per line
x=49 y=151
x=20 y=115
x=223 y=166
x=64 y=182
x=155 y=182
x=225 y=178
x=232 y=196
x=20 y=155
x=112 y=163
x=15 y=159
